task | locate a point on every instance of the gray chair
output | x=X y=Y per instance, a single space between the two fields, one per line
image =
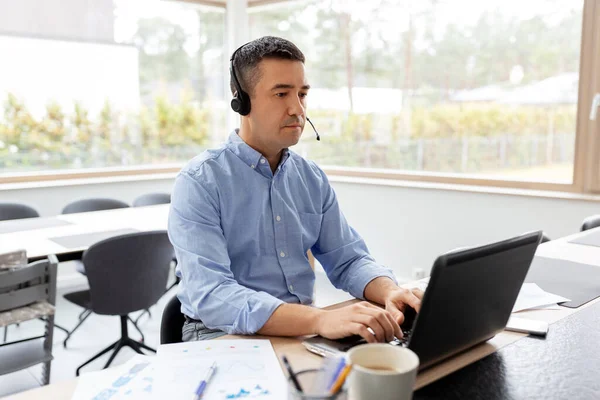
x=28 y=293
x=152 y=199
x=12 y=211
x=89 y=205
x=590 y=222
x=94 y=204
x=126 y=273
x=9 y=211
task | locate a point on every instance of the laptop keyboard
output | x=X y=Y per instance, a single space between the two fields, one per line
x=350 y=342
x=402 y=342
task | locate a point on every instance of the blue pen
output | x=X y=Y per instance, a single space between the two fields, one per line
x=204 y=382
x=336 y=372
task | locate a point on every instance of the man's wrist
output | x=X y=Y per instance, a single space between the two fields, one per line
x=379 y=289
x=315 y=318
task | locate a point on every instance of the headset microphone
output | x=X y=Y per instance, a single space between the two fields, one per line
x=317 y=133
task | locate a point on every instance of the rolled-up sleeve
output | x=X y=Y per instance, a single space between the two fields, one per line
x=208 y=290
x=341 y=251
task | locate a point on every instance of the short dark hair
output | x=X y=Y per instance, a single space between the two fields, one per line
x=252 y=53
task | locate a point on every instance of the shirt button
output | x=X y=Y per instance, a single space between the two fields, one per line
x=278 y=218
x=291 y=288
x=253 y=166
x=282 y=254
x=262 y=160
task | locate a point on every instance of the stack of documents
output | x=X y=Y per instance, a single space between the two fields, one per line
x=245 y=368
x=532 y=296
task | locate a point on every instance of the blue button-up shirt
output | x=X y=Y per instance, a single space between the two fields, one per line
x=241 y=235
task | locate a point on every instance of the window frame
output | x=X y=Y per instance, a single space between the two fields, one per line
x=586 y=167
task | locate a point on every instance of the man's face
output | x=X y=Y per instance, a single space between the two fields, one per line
x=277 y=115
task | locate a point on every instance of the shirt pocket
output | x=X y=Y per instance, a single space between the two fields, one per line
x=310 y=229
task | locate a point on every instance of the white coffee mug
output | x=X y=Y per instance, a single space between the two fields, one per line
x=382 y=371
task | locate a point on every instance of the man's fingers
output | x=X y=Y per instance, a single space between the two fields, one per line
x=412 y=300
x=395 y=324
x=361 y=330
x=383 y=319
x=370 y=321
x=397 y=315
x=418 y=292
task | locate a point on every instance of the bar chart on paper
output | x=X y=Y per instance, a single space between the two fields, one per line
x=246 y=369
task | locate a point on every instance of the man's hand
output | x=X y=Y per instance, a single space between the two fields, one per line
x=398 y=299
x=384 y=291
x=355 y=320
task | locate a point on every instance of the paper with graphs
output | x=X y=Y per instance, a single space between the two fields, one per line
x=132 y=380
x=246 y=369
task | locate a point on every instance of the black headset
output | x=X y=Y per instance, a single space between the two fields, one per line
x=241 y=100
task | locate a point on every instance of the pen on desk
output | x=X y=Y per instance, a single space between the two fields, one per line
x=204 y=382
x=336 y=372
x=292 y=374
x=341 y=379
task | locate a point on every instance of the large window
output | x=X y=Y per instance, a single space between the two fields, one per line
x=108 y=83
x=484 y=89
x=494 y=92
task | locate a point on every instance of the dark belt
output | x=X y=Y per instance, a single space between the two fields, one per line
x=188 y=319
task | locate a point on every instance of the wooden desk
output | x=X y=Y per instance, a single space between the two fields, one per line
x=38 y=243
x=451 y=379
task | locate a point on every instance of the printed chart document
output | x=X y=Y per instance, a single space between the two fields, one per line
x=132 y=380
x=246 y=369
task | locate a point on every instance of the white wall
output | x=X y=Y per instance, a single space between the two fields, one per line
x=408 y=227
x=404 y=227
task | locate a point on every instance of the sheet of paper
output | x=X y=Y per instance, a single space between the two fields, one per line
x=246 y=369
x=531 y=296
x=132 y=380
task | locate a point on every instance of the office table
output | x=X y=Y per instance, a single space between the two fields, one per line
x=509 y=366
x=41 y=237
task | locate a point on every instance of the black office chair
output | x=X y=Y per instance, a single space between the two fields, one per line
x=11 y=211
x=88 y=205
x=172 y=322
x=590 y=222
x=127 y=273
x=152 y=199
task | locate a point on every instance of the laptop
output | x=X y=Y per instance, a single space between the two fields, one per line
x=469 y=300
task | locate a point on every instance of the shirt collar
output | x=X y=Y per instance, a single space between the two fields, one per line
x=248 y=155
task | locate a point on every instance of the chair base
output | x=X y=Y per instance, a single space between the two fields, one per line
x=124 y=341
x=85 y=314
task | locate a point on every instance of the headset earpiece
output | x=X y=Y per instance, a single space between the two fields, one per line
x=241 y=101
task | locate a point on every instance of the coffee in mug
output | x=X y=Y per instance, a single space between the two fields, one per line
x=382 y=371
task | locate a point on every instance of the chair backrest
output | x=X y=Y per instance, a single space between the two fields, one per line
x=96 y=204
x=35 y=282
x=129 y=272
x=151 y=199
x=16 y=211
x=590 y=223
x=172 y=322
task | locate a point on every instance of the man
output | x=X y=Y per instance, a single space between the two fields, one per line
x=243 y=217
